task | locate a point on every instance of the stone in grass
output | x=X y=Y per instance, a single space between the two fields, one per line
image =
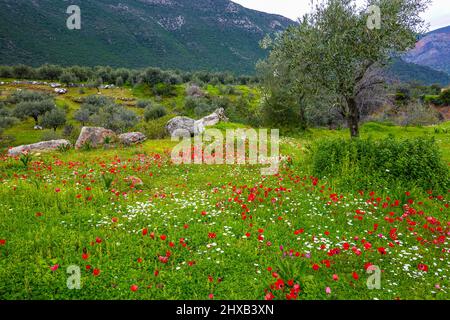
x=181 y=127
x=132 y=138
x=44 y=146
x=187 y=127
x=95 y=137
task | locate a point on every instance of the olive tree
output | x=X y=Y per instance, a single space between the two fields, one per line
x=54 y=119
x=82 y=115
x=67 y=78
x=335 y=49
x=114 y=117
x=33 y=109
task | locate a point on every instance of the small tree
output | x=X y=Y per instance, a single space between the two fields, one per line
x=27 y=95
x=114 y=117
x=119 y=82
x=67 y=78
x=82 y=115
x=95 y=83
x=142 y=104
x=33 y=109
x=54 y=119
x=154 y=112
x=6 y=120
x=50 y=72
x=335 y=49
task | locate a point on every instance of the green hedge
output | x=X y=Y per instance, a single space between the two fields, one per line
x=367 y=163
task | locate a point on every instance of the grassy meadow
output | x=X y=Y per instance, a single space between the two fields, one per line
x=220 y=231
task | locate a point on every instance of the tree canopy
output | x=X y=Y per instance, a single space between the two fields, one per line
x=332 y=55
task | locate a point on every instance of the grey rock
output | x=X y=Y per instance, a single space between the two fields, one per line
x=132 y=138
x=187 y=127
x=214 y=118
x=181 y=127
x=95 y=136
x=43 y=146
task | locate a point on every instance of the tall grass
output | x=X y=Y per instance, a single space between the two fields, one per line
x=368 y=163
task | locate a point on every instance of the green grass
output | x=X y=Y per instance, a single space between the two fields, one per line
x=54 y=210
x=380 y=131
x=230 y=231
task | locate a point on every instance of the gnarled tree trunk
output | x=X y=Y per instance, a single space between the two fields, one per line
x=353 y=117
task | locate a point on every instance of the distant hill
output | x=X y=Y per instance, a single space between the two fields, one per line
x=215 y=35
x=409 y=72
x=184 y=34
x=432 y=50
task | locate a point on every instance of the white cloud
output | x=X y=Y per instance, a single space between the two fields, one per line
x=437 y=16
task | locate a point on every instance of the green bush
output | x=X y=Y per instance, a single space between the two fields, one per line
x=142 y=104
x=445 y=97
x=367 y=163
x=54 y=119
x=155 y=129
x=154 y=112
x=164 y=90
x=114 y=117
x=199 y=107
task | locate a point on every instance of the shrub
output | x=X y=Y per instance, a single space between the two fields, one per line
x=155 y=129
x=114 y=117
x=67 y=78
x=418 y=114
x=142 y=104
x=432 y=99
x=28 y=96
x=49 y=72
x=33 y=109
x=97 y=100
x=282 y=109
x=119 y=82
x=194 y=90
x=227 y=90
x=367 y=163
x=154 y=112
x=199 y=106
x=164 y=90
x=54 y=119
x=6 y=72
x=445 y=97
x=82 y=115
x=6 y=120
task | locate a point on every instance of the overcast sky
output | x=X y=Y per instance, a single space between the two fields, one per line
x=437 y=16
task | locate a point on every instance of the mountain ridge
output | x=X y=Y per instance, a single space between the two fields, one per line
x=432 y=50
x=217 y=35
x=213 y=35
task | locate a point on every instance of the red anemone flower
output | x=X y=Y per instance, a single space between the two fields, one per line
x=134 y=288
x=423 y=267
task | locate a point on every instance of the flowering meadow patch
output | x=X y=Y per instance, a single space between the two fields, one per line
x=140 y=227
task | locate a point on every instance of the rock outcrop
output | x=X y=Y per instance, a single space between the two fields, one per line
x=43 y=146
x=184 y=126
x=95 y=137
x=181 y=127
x=132 y=138
x=214 y=118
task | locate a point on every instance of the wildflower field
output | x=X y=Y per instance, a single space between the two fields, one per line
x=140 y=227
